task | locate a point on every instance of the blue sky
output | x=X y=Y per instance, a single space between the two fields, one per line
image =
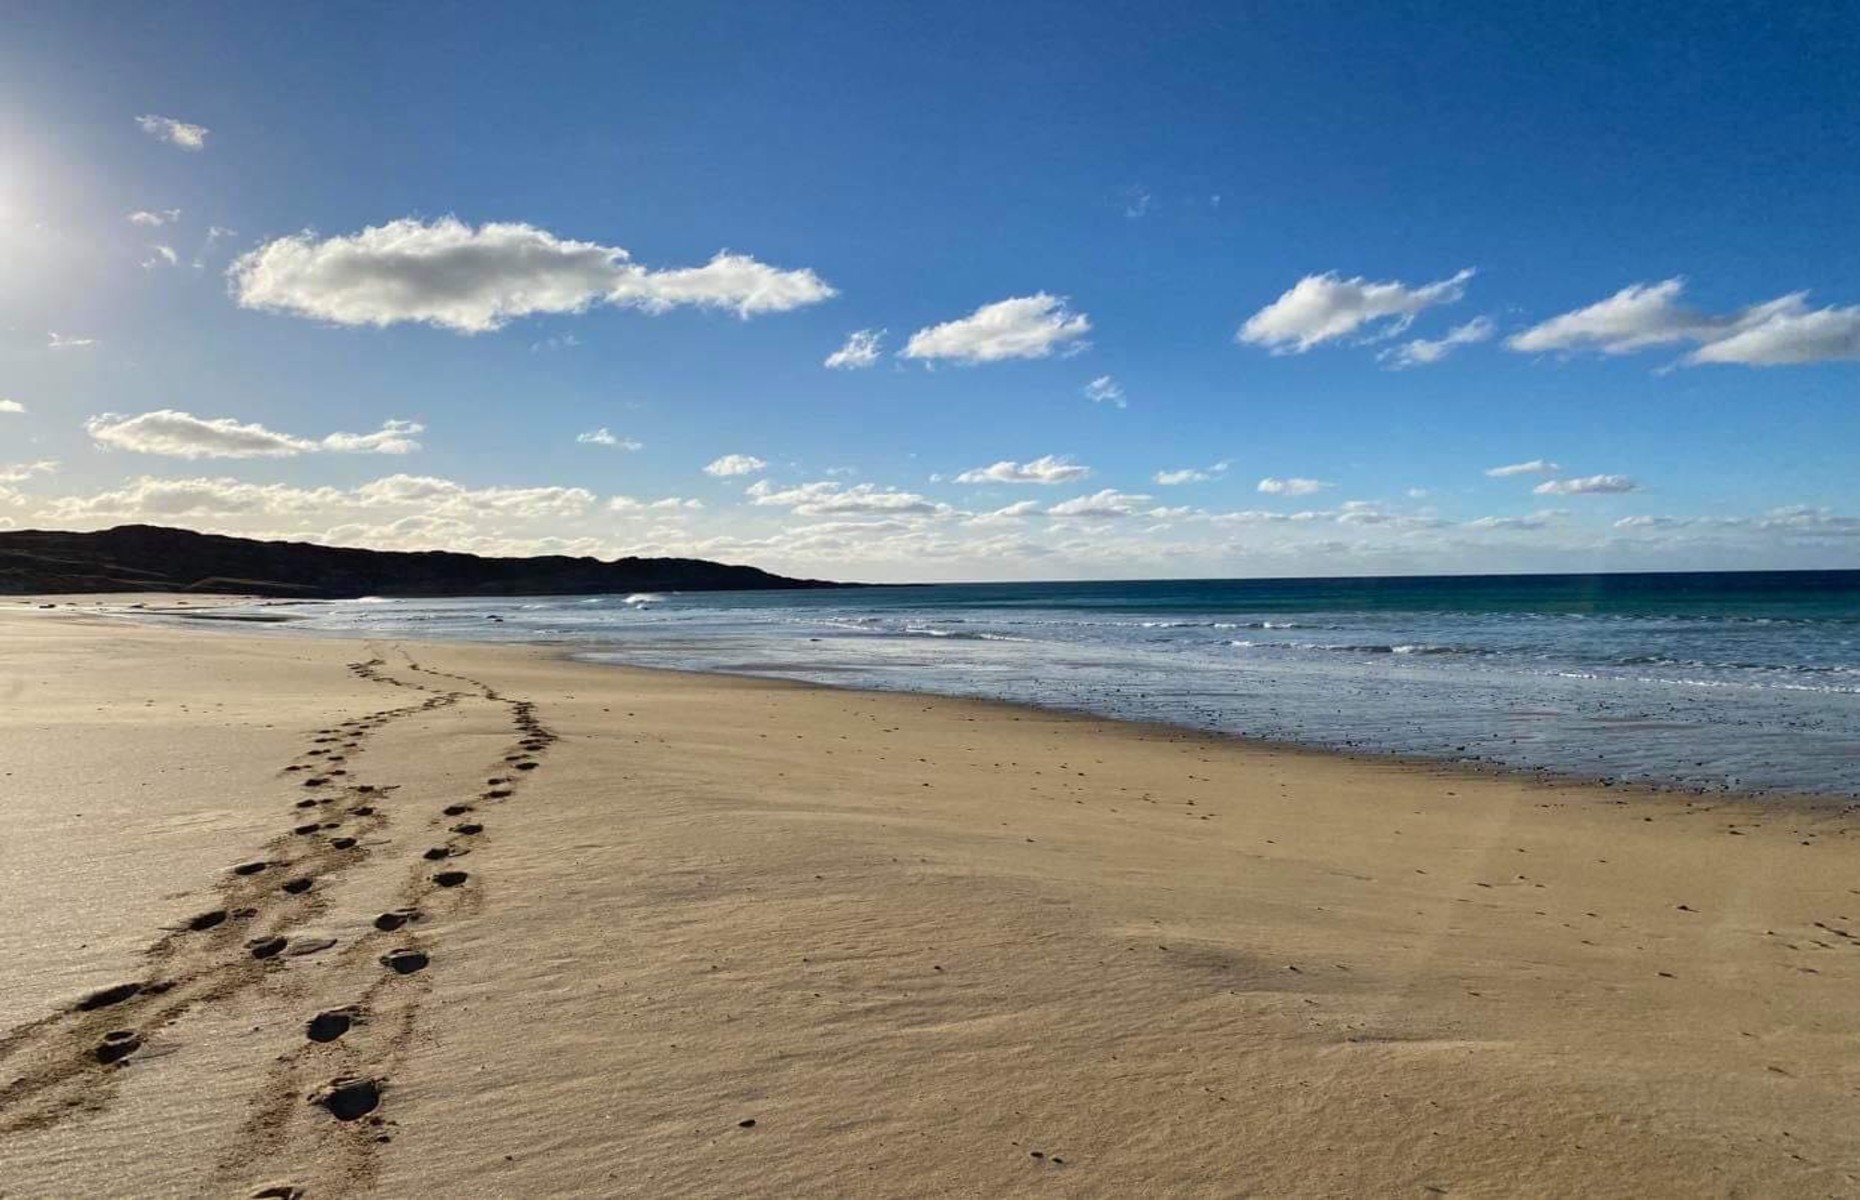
x=1369 y=252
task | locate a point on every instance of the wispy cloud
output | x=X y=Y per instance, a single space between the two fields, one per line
x=1421 y=352
x=1325 y=308
x=58 y=341
x=1587 y=485
x=175 y=133
x=154 y=218
x=184 y=435
x=604 y=437
x=1274 y=486
x=1105 y=390
x=1779 y=332
x=1190 y=474
x=1537 y=466
x=861 y=350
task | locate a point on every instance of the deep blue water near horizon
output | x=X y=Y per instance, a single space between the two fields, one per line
x=1745 y=681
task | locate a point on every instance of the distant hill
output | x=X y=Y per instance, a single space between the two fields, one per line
x=150 y=558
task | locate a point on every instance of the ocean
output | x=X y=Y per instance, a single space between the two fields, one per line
x=1745 y=681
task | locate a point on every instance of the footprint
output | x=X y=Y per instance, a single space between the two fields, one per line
x=298 y=887
x=362 y=810
x=456 y=810
x=436 y=853
x=108 y=996
x=302 y=947
x=251 y=868
x=330 y=1025
x=342 y=843
x=348 y=1099
x=206 y=920
x=310 y=803
x=279 y=1191
x=316 y=781
x=304 y=830
x=387 y=922
x=527 y=766
x=267 y=947
x=448 y=879
x=468 y=828
x=495 y=794
x=405 y=961
x=116 y=1045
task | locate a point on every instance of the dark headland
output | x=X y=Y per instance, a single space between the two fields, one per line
x=150 y=558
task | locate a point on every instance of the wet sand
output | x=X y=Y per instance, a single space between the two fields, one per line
x=294 y=916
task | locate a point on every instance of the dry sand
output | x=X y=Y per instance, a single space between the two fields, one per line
x=737 y=938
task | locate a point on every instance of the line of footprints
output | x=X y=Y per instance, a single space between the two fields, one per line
x=64 y=1064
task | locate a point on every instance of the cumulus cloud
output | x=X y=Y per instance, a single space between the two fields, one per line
x=1422 y=352
x=831 y=498
x=1537 y=466
x=1587 y=485
x=1274 y=486
x=11 y=406
x=175 y=133
x=446 y=273
x=1190 y=474
x=1108 y=503
x=735 y=464
x=155 y=218
x=860 y=350
x=1021 y=327
x=1048 y=469
x=605 y=437
x=184 y=435
x=1325 y=308
x=1783 y=331
x=1105 y=390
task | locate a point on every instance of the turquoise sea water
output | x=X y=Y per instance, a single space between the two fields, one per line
x=1746 y=681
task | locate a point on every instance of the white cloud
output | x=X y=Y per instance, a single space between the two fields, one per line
x=1324 y=308
x=183 y=435
x=1543 y=518
x=1421 y=352
x=1783 y=331
x=11 y=406
x=1787 y=334
x=155 y=218
x=829 y=498
x=20 y=472
x=1137 y=201
x=735 y=464
x=1537 y=466
x=175 y=133
x=1587 y=485
x=1105 y=390
x=1274 y=486
x=1105 y=504
x=1019 y=510
x=1190 y=474
x=671 y=504
x=394 y=437
x=1046 y=469
x=860 y=350
x=447 y=274
x=58 y=341
x=1022 y=327
x=160 y=256
x=604 y=437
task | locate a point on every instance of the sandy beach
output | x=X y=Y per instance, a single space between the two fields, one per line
x=283 y=916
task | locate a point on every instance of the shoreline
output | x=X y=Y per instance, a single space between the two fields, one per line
x=1831 y=801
